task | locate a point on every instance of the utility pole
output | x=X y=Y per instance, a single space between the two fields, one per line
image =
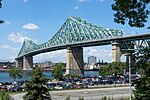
x=130 y=90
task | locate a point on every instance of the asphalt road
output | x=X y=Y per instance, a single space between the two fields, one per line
x=88 y=94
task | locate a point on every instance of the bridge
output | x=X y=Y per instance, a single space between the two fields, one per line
x=75 y=34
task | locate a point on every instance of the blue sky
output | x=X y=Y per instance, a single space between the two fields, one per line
x=40 y=20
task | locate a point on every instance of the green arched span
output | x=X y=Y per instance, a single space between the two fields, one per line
x=74 y=30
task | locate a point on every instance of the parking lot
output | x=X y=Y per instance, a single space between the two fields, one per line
x=72 y=83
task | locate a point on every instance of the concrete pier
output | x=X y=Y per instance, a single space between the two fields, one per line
x=75 y=61
x=19 y=63
x=27 y=62
x=116 y=53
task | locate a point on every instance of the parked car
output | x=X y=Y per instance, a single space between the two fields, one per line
x=4 y=88
x=15 y=89
x=58 y=87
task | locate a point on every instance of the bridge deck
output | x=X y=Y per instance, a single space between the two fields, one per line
x=91 y=43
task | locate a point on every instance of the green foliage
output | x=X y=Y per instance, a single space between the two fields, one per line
x=63 y=65
x=104 y=70
x=129 y=98
x=68 y=98
x=4 y=96
x=142 y=85
x=133 y=11
x=81 y=98
x=0 y=3
x=15 y=73
x=115 y=68
x=104 y=98
x=36 y=87
x=1 y=21
x=58 y=71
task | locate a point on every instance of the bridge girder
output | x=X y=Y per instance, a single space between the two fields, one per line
x=132 y=45
x=75 y=30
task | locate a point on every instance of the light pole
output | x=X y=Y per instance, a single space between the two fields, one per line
x=130 y=90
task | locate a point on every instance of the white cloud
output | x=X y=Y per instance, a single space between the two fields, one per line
x=22 y=0
x=54 y=56
x=30 y=26
x=7 y=22
x=17 y=37
x=83 y=0
x=6 y=59
x=101 y=0
x=25 y=0
x=100 y=53
x=6 y=46
x=60 y=55
x=76 y=7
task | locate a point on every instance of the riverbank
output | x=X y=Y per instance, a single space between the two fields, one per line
x=4 y=70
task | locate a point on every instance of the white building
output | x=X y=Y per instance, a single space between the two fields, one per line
x=91 y=60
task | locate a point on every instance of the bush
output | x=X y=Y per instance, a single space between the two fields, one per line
x=104 y=98
x=81 y=98
x=4 y=96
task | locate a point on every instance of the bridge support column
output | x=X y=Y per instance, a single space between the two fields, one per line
x=27 y=62
x=19 y=62
x=116 y=53
x=75 y=61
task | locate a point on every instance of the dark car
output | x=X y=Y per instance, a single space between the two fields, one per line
x=15 y=89
x=4 y=88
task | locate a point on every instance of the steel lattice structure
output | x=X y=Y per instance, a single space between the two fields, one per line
x=75 y=30
x=132 y=45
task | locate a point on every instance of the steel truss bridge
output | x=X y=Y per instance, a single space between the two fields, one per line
x=76 y=33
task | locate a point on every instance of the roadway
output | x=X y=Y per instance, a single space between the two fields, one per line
x=96 y=42
x=88 y=94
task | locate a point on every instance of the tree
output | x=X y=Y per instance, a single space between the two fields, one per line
x=58 y=71
x=104 y=70
x=117 y=68
x=63 y=65
x=142 y=85
x=15 y=73
x=1 y=21
x=0 y=3
x=132 y=11
x=36 y=87
x=4 y=95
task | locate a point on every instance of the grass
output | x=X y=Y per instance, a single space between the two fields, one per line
x=18 y=92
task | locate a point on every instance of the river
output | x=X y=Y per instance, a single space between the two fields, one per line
x=4 y=76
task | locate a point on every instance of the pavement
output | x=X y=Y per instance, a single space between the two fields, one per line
x=89 y=94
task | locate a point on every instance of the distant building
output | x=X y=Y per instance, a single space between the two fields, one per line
x=45 y=64
x=7 y=64
x=91 y=60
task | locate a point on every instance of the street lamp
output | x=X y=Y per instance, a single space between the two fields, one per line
x=128 y=54
x=130 y=90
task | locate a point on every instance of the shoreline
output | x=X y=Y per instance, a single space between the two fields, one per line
x=6 y=70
